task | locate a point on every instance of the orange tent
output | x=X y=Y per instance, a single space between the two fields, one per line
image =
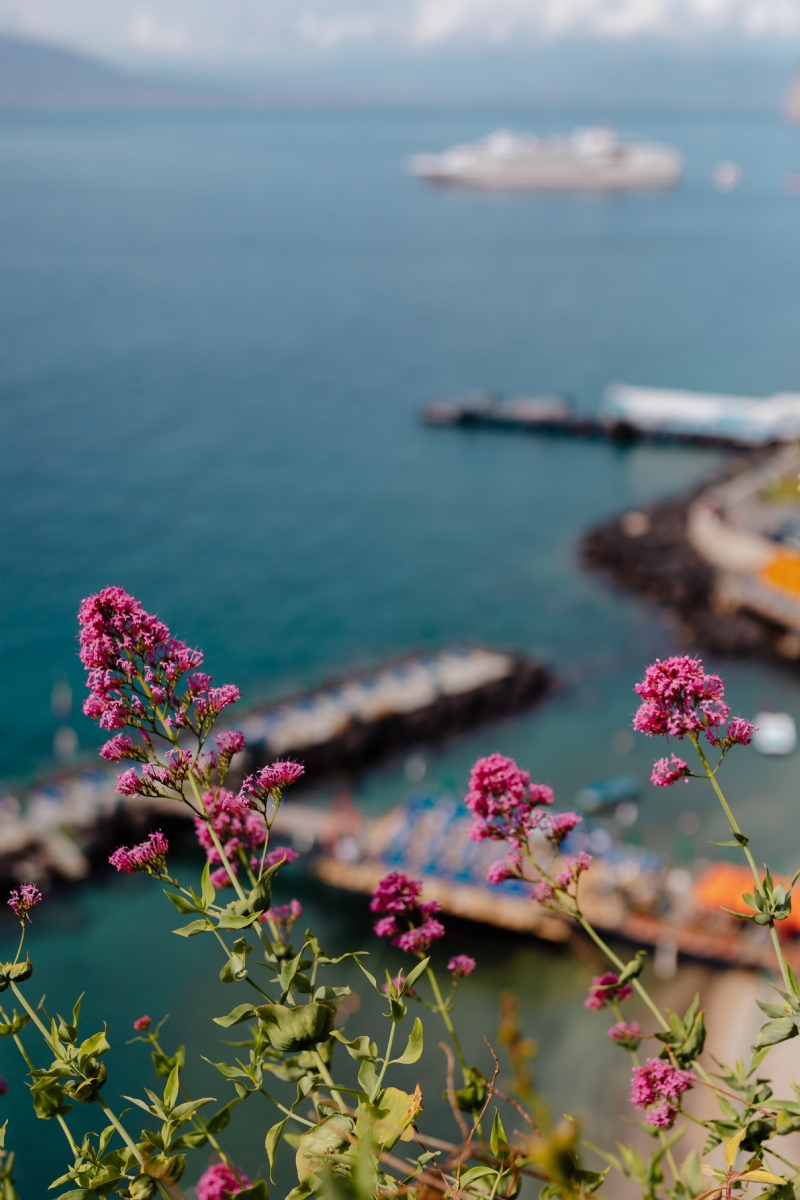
x=722 y=885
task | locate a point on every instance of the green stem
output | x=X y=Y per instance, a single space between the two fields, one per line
x=787 y=979
x=387 y=1055
x=121 y=1130
x=446 y=1018
x=288 y=1111
x=326 y=1075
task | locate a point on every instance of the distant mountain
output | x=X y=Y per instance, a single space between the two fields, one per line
x=35 y=76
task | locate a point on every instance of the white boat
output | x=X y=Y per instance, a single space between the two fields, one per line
x=589 y=159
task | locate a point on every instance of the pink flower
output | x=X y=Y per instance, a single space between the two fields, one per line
x=461 y=965
x=142 y=1024
x=236 y=827
x=269 y=782
x=543 y=891
x=149 y=857
x=739 y=732
x=605 y=988
x=679 y=698
x=210 y=703
x=284 y=854
x=667 y=771
x=560 y=826
x=395 y=893
x=573 y=868
x=220 y=878
x=23 y=898
x=4 y=1087
x=509 y=867
x=626 y=1034
x=418 y=940
x=220 y=1183
x=284 y=915
x=122 y=746
x=658 y=1087
x=503 y=800
x=129 y=783
x=230 y=743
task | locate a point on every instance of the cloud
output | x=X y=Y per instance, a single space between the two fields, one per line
x=285 y=30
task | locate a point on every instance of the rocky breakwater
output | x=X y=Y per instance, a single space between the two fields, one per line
x=723 y=558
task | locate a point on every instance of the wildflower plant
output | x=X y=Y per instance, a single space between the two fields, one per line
x=354 y=1134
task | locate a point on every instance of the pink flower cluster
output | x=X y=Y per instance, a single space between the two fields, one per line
x=149 y=856
x=657 y=1088
x=679 y=698
x=626 y=1034
x=461 y=965
x=238 y=829
x=503 y=801
x=156 y=779
x=142 y=1024
x=572 y=869
x=269 y=783
x=397 y=895
x=220 y=1183
x=667 y=771
x=135 y=667
x=605 y=988
x=23 y=898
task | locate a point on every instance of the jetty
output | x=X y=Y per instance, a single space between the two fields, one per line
x=629 y=892
x=630 y=414
x=355 y=721
x=62 y=825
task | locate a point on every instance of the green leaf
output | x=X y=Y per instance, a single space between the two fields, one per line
x=236 y=920
x=207 y=892
x=193 y=928
x=273 y=1140
x=220 y=1119
x=242 y=1012
x=171 y=1087
x=94 y=1045
x=390 y=1118
x=258 y=1191
x=413 y=1049
x=369 y=976
x=498 y=1140
x=299 y=1028
x=183 y=905
x=359 y=1048
x=776 y=1031
x=317 y=1145
x=634 y=968
x=414 y=975
x=368 y=1078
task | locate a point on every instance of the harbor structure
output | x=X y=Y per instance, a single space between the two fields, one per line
x=631 y=414
x=629 y=891
x=589 y=159
x=56 y=828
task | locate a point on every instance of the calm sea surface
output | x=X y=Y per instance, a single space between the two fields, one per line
x=215 y=336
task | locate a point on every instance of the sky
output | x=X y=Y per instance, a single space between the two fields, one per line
x=262 y=31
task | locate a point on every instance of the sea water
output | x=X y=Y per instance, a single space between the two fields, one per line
x=216 y=333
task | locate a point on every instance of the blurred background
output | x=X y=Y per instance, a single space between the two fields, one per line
x=225 y=300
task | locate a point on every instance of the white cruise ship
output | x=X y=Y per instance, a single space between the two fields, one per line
x=595 y=159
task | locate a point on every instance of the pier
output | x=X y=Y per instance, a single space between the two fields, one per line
x=633 y=414
x=60 y=827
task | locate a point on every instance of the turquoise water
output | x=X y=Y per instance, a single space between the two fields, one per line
x=215 y=335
